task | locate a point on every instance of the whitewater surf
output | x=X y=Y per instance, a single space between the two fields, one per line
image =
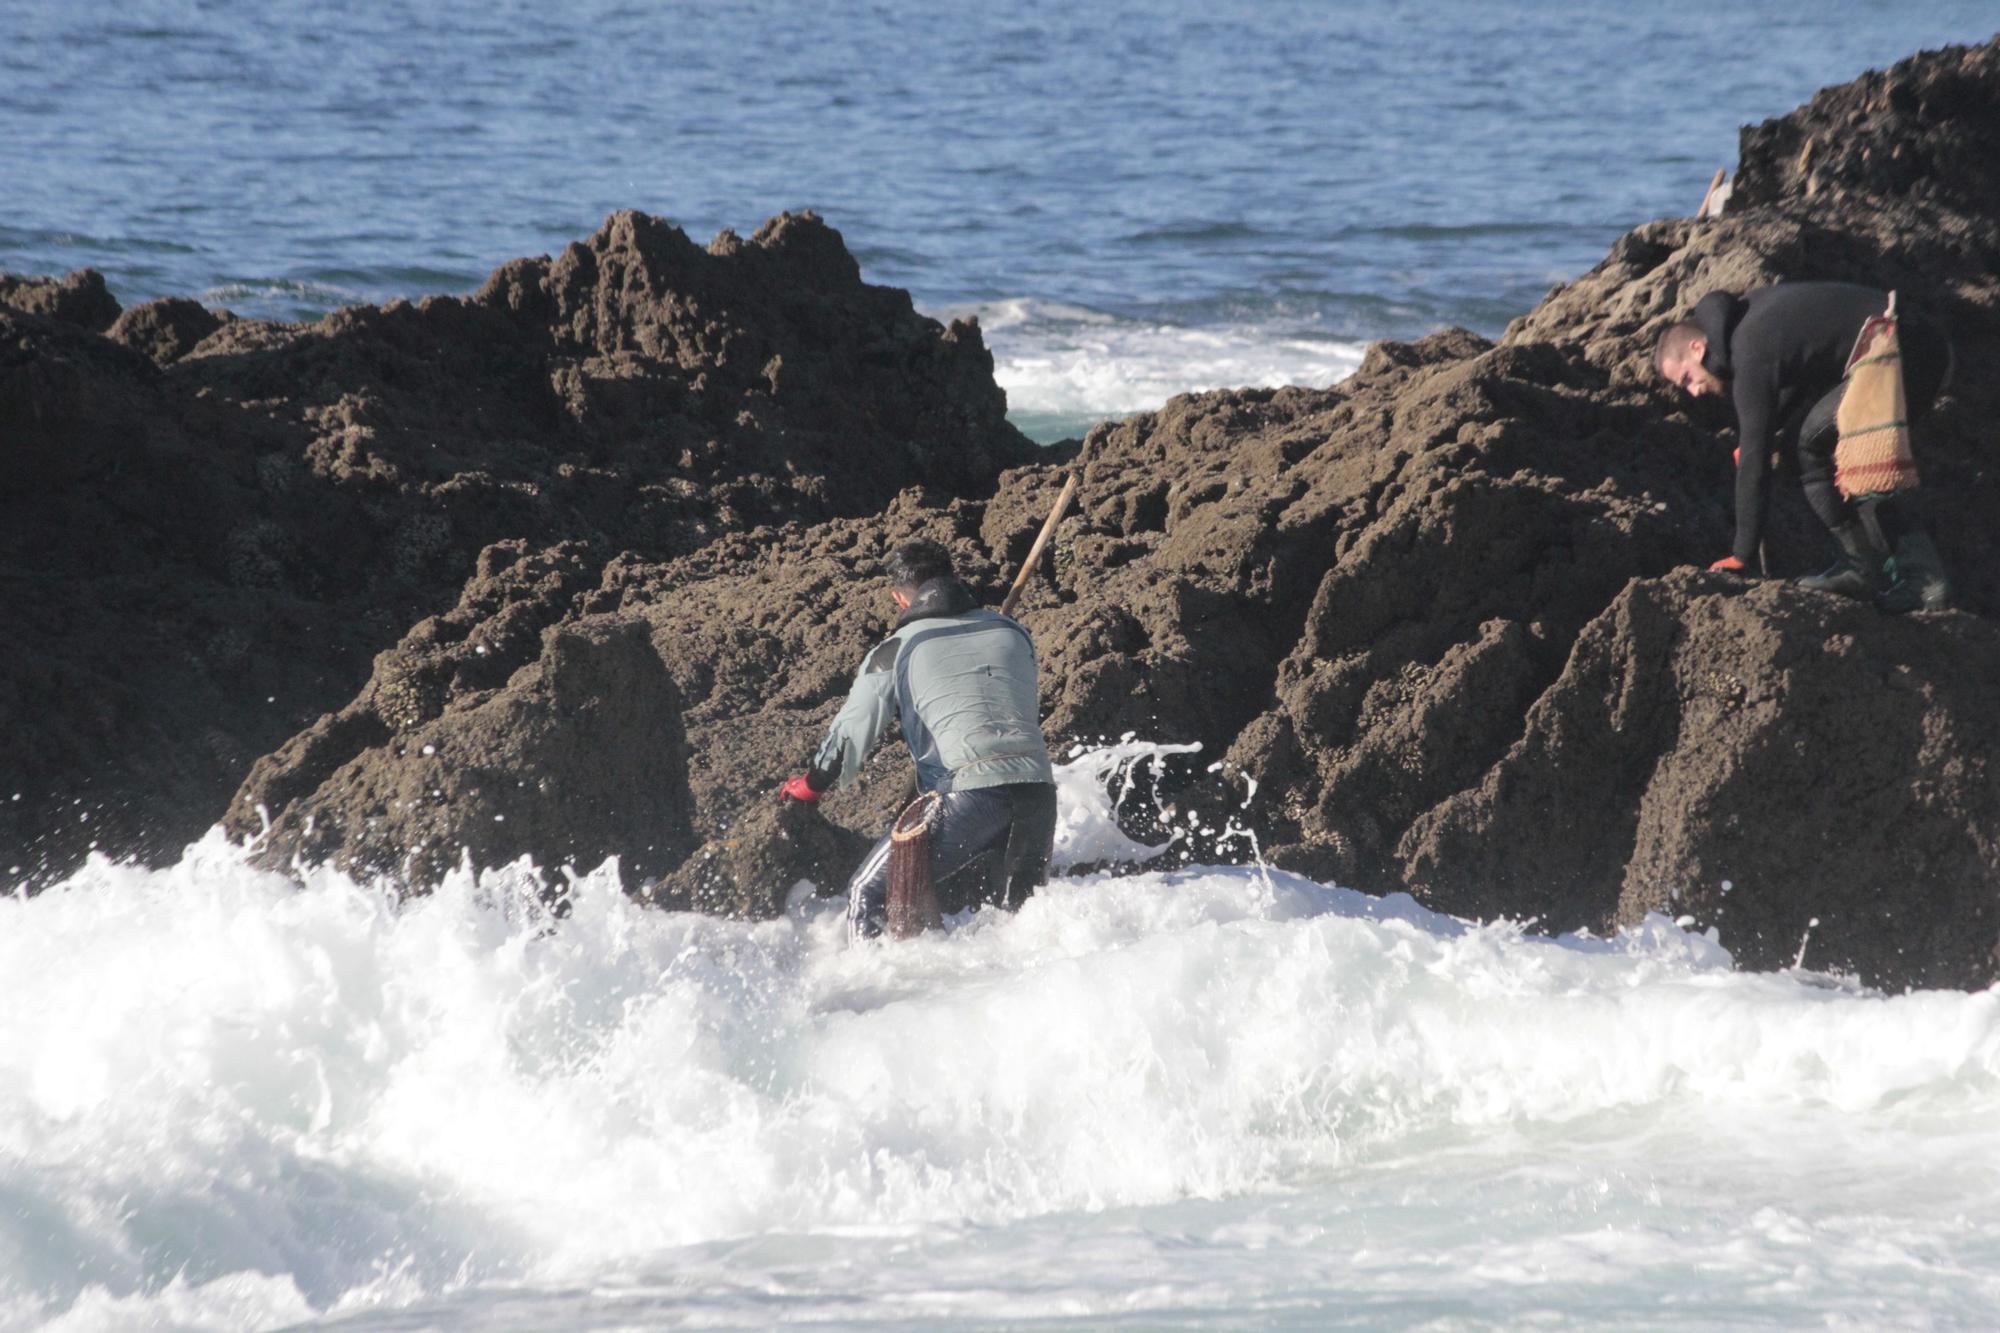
x=1158 y=1098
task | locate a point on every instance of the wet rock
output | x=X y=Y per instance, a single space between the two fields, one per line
x=165 y=330
x=1917 y=130
x=1408 y=607
x=80 y=298
x=1776 y=764
x=214 y=535
x=748 y=870
x=1440 y=615
x=575 y=756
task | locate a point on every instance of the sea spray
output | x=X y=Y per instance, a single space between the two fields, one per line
x=226 y=1101
x=1092 y=789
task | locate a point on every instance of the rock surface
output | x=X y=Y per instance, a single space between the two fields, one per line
x=1439 y=613
x=81 y=298
x=514 y=730
x=1812 y=779
x=213 y=525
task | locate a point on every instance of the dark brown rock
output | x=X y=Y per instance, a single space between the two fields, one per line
x=1917 y=131
x=497 y=731
x=201 y=556
x=749 y=869
x=1432 y=613
x=166 y=330
x=1774 y=764
x=1439 y=613
x=80 y=298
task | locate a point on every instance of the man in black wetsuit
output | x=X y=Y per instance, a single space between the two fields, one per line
x=1781 y=352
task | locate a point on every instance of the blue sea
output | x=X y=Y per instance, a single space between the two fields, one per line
x=1138 y=197
x=1207 y=1097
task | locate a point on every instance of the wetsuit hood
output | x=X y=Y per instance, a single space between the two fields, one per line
x=1717 y=314
x=938 y=597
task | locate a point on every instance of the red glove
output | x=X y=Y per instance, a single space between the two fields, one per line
x=1729 y=564
x=1736 y=455
x=799 y=789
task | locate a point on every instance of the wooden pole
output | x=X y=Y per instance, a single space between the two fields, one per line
x=1035 y=551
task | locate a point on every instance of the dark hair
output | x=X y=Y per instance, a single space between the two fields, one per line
x=913 y=564
x=1674 y=342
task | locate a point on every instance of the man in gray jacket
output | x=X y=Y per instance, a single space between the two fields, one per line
x=962 y=681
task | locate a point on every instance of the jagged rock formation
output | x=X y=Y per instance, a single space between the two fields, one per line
x=514 y=728
x=1439 y=612
x=216 y=523
x=1465 y=585
x=1744 y=758
x=81 y=298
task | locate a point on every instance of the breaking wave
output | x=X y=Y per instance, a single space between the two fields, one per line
x=1066 y=367
x=229 y=1102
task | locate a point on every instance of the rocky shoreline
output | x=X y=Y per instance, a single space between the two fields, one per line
x=1439 y=612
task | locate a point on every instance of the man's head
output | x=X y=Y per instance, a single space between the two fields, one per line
x=912 y=565
x=1678 y=356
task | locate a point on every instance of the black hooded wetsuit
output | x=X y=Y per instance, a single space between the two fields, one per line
x=1783 y=352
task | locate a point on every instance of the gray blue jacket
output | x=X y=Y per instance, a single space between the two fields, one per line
x=962 y=680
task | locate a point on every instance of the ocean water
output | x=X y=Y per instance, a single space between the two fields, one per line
x=1203 y=1097
x=1139 y=197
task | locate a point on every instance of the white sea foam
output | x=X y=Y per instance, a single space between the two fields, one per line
x=229 y=1103
x=1065 y=367
x=289 y=297
x=1094 y=787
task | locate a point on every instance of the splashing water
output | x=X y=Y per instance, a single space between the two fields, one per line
x=1065 y=368
x=1091 y=790
x=1169 y=1097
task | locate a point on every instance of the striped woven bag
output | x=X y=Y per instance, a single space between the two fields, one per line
x=1873 y=455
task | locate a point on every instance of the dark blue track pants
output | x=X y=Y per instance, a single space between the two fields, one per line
x=1016 y=822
